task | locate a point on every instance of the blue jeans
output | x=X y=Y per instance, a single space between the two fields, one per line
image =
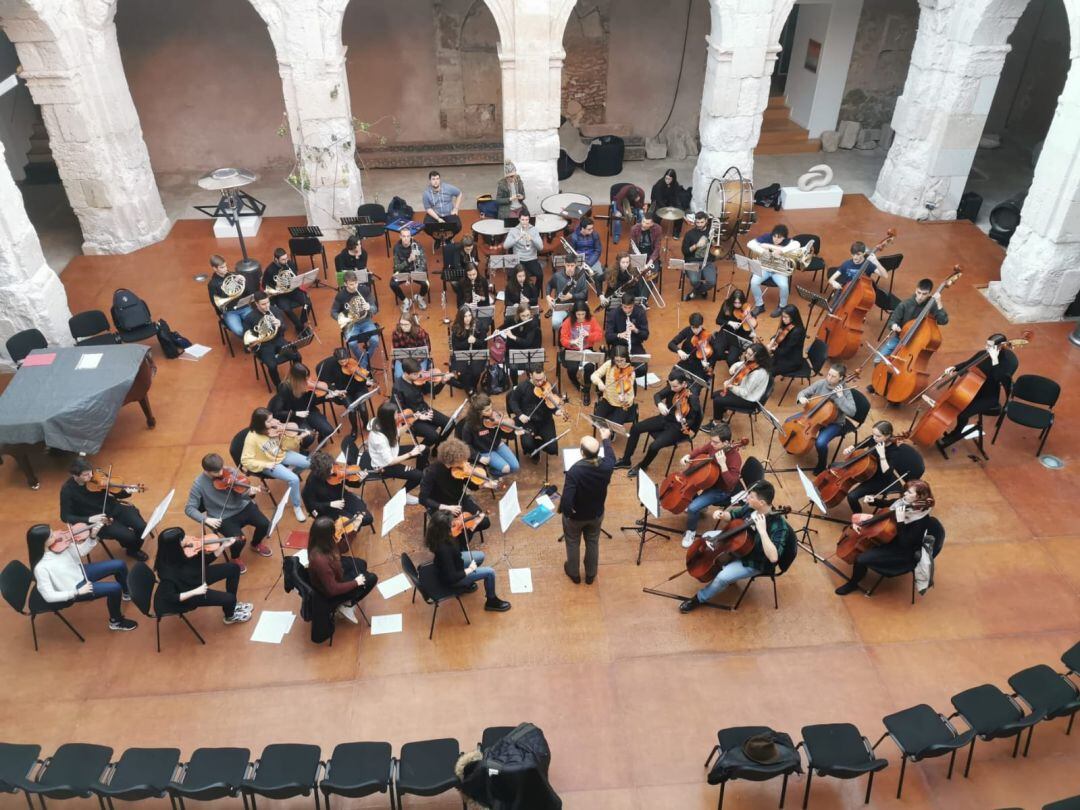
x=826 y=435
x=617 y=223
x=732 y=572
x=889 y=347
x=110 y=590
x=282 y=473
x=398 y=373
x=556 y=320
x=481 y=573
x=503 y=461
x=781 y=284
x=234 y=320
x=367 y=332
x=703 y=279
x=710 y=497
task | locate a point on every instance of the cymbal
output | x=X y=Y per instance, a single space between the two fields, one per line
x=670 y=212
x=221 y=179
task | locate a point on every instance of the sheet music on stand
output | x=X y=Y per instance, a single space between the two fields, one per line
x=302 y=279
x=637 y=261
x=243 y=302
x=569 y=305
x=601 y=422
x=584 y=356
x=503 y=261
x=694 y=378
x=415 y=352
x=558 y=260
x=512 y=310
x=468 y=356
x=415 y=276
x=363 y=277
x=676 y=264
x=752 y=266
x=482 y=312
x=520 y=358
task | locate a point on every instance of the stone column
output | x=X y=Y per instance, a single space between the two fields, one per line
x=32 y=294
x=1040 y=277
x=73 y=70
x=311 y=59
x=939 y=118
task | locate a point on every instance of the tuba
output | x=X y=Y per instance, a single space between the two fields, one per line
x=283 y=281
x=232 y=287
x=776 y=262
x=265 y=329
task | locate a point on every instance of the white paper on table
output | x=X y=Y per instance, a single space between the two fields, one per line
x=159 y=513
x=196 y=351
x=393 y=512
x=301 y=557
x=393 y=586
x=509 y=507
x=547 y=503
x=277 y=515
x=89 y=360
x=501 y=296
x=646 y=492
x=521 y=580
x=273 y=625
x=811 y=492
x=386 y=624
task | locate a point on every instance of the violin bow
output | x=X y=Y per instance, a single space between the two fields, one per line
x=318 y=379
x=105 y=499
x=408 y=427
x=75 y=545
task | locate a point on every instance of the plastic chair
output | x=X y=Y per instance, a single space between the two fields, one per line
x=432 y=591
x=1031 y=404
x=211 y=773
x=91 y=328
x=142 y=584
x=841 y=751
x=922 y=733
x=426 y=768
x=17 y=765
x=22 y=343
x=141 y=773
x=16 y=585
x=814 y=361
x=358 y=769
x=309 y=247
x=69 y=773
x=1071 y=659
x=1048 y=692
x=377 y=228
x=729 y=749
x=282 y=771
x=993 y=715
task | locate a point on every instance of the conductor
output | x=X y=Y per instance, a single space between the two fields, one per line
x=582 y=505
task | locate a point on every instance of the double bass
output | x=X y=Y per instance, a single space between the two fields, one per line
x=943 y=413
x=700 y=475
x=842 y=328
x=836 y=481
x=703 y=558
x=919 y=339
x=801 y=429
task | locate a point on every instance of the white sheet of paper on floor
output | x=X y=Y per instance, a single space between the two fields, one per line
x=90 y=360
x=277 y=514
x=546 y=502
x=272 y=626
x=386 y=624
x=301 y=557
x=647 y=380
x=390 y=588
x=521 y=580
x=509 y=507
x=646 y=492
x=196 y=351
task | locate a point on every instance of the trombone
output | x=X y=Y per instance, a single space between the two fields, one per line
x=651 y=288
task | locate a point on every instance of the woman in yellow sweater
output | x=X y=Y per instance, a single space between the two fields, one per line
x=271 y=448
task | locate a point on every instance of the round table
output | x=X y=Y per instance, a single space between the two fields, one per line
x=556 y=203
x=551 y=227
x=491 y=232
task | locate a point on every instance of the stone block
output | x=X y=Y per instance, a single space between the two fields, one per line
x=886 y=139
x=849 y=134
x=655 y=149
x=866 y=140
x=830 y=140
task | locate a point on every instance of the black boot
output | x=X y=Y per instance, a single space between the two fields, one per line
x=496 y=605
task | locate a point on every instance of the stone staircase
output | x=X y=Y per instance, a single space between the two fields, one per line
x=40 y=166
x=782 y=136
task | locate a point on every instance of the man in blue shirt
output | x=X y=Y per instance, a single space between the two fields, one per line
x=586 y=242
x=851 y=268
x=441 y=201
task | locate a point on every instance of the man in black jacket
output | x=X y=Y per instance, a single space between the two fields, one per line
x=272 y=351
x=582 y=505
x=80 y=505
x=629 y=316
x=533 y=415
x=669 y=427
x=429 y=423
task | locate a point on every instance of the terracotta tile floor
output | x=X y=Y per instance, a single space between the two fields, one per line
x=629 y=692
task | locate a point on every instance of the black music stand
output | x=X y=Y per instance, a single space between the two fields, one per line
x=643 y=528
x=305 y=240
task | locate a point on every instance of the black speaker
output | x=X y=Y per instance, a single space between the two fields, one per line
x=970 y=205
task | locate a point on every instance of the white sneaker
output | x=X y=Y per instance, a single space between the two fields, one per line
x=299 y=512
x=411 y=500
x=421 y=302
x=349 y=612
x=237 y=618
x=688 y=539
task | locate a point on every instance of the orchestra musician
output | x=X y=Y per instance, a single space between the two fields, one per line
x=441 y=201
x=353 y=257
x=409 y=257
x=786 y=345
x=614 y=379
x=832 y=386
x=219 y=501
x=777 y=242
x=995 y=363
x=527 y=335
x=459 y=255
x=409 y=395
x=912 y=513
x=468 y=333
x=354 y=312
x=628 y=203
x=442 y=491
x=620 y=278
x=410 y=335
x=696 y=249
x=472 y=289
x=905 y=312
x=628 y=325
x=648 y=236
x=457 y=569
x=678 y=421
x=271 y=351
x=343 y=581
x=182 y=585
x=118 y=520
x=667 y=193
x=580 y=333
x=533 y=413
x=569 y=284
x=521 y=290
x=737 y=328
x=232 y=315
x=772 y=534
x=332 y=501
x=385 y=454
x=856 y=266
x=726 y=455
x=524 y=242
x=586 y=242
x=272 y=448
x=747 y=384
x=886 y=480
x=295 y=400
x=288 y=302
x=693 y=358
x=509 y=192
x=337 y=372
x=486 y=443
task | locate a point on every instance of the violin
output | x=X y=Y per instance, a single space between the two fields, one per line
x=965 y=385
x=406 y=418
x=801 y=429
x=703 y=349
x=779 y=337
x=100 y=479
x=836 y=481
x=624 y=386
x=919 y=339
x=345 y=527
x=842 y=327
x=680 y=404
x=551 y=398
x=233 y=480
x=193 y=546
x=345 y=474
x=465 y=522
x=874 y=531
x=319 y=387
x=352 y=368
x=739 y=375
x=700 y=475
x=704 y=557
x=501 y=422
x=474 y=474
x=434 y=377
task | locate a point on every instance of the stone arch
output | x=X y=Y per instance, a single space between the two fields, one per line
x=780 y=15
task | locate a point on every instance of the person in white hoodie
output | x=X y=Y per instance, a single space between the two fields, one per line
x=61 y=576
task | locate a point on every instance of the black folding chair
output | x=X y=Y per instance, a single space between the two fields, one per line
x=754 y=408
x=787 y=557
x=1071 y=659
x=22 y=343
x=852 y=423
x=1048 y=692
x=885 y=299
x=142 y=584
x=377 y=227
x=492 y=734
x=817 y=264
x=922 y=733
x=17 y=765
x=308 y=247
x=140 y=773
x=993 y=715
x=92 y=328
x=17 y=586
x=731 y=765
x=426 y=768
x=282 y=771
x=211 y=773
x=358 y=769
x=1031 y=404
x=432 y=591
x=1071 y=803
x=841 y=751
x=69 y=773
x=811 y=367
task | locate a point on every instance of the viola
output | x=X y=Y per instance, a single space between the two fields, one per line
x=779 y=337
x=551 y=398
x=877 y=530
x=842 y=327
x=704 y=557
x=700 y=475
x=465 y=522
x=801 y=429
x=406 y=418
x=703 y=349
x=100 y=479
x=319 y=387
x=345 y=527
x=680 y=404
x=474 y=474
x=836 y=481
x=941 y=418
x=501 y=422
x=352 y=368
x=193 y=546
x=232 y=480
x=919 y=339
x=345 y=473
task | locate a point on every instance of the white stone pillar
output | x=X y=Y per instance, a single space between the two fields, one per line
x=940 y=116
x=531 y=92
x=73 y=70
x=32 y=294
x=311 y=59
x=1040 y=277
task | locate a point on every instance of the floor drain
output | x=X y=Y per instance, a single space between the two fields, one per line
x=1051 y=462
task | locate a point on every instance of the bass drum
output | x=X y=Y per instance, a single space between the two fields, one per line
x=731 y=200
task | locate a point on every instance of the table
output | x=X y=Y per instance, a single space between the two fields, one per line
x=64 y=407
x=558 y=203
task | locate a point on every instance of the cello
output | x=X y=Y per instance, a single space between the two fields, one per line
x=878 y=530
x=801 y=429
x=738 y=539
x=965 y=385
x=842 y=328
x=700 y=475
x=836 y=481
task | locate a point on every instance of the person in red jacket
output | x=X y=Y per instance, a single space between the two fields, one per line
x=581 y=332
x=343 y=581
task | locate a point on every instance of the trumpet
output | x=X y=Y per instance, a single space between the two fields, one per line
x=266 y=328
x=233 y=287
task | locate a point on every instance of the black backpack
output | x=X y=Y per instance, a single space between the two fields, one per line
x=172 y=342
x=768 y=197
x=494 y=380
x=512 y=774
x=129 y=312
x=398 y=208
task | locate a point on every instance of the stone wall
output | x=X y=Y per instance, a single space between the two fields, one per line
x=880 y=60
x=585 y=69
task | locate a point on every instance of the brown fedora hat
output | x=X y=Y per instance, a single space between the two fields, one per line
x=762 y=749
